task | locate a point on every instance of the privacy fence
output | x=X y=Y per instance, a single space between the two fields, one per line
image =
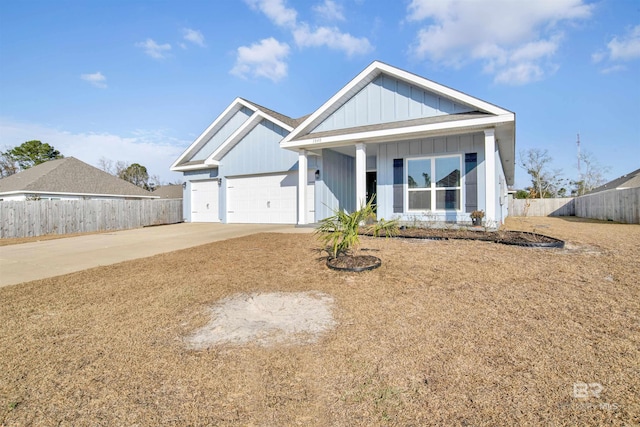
x=40 y=217
x=609 y=205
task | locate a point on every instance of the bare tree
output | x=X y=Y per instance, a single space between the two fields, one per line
x=592 y=174
x=8 y=165
x=545 y=182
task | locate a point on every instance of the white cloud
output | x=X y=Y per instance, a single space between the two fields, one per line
x=263 y=59
x=613 y=69
x=620 y=49
x=333 y=38
x=627 y=47
x=281 y=15
x=153 y=49
x=193 y=36
x=96 y=79
x=154 y=150
x=515 y=40
x=329 y=10
x=276 y=11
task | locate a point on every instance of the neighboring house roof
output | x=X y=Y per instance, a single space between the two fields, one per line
x=69 y=176
x=259 y=113
x=630 y=180
x=173 y=191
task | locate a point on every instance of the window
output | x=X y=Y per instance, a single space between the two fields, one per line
x=434 y=184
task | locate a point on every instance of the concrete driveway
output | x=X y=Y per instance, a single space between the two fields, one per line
x=39 y=260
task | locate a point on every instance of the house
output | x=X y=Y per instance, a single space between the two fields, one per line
x=68 y=179
x=419 y=147
x=630 y=180
x=171 y=191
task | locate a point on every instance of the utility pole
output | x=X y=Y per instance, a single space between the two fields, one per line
x=578 y=144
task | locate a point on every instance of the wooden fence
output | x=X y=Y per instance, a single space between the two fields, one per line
x=40 y=217
x=542 y=207
x=611 y=205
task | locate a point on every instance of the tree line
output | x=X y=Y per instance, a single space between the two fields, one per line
x=33 y=153
x=547 y=182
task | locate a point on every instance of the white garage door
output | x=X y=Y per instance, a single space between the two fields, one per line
x=204 y=201
x=267 y=199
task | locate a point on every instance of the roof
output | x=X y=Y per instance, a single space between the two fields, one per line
x=173 y=191
x=285 y=119
x=482 y=115
x=398 y=124
x=260 y=113
x=630 y=180
x=70 y=176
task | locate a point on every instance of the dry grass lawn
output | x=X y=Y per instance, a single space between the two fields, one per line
x=444 y=333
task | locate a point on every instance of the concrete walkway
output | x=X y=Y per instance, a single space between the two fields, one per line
x=48 y=258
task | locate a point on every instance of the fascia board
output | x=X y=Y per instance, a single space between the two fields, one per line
x=62 y=193
x=364 y=75
x=223 y=116
x=443 y=90
x=404 y=133
x=240 y=133
x=194 y=167
x=234 y=138
x=379 y=67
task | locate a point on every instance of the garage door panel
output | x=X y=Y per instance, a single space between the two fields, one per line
x=263 y=199
x=204 y=201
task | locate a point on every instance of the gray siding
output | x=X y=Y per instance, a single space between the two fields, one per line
x=386 y=100
x=259 y=152
x=336 y=188
x=458 y=144
x=225 y=131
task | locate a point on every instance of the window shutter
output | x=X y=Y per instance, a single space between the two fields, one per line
x=398 y=193
x=471 y=181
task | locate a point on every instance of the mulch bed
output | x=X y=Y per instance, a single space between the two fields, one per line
x=508 y=237
x=354 y=263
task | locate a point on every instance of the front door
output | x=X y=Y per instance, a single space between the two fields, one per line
x=372 y=186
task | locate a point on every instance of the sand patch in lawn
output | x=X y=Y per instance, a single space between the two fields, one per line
x=266 y=319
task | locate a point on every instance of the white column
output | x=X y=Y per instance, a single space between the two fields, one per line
x=490 y=174
x=302 y=186
x=361 y=174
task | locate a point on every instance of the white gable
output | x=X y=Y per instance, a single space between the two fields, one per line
x=232 y=125
x=387 y=99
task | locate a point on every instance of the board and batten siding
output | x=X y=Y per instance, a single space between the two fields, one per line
x=387 y=99
x=457 y=144
x=42 y=217
x=222 y=134
x=259 y=152
x=336 y=188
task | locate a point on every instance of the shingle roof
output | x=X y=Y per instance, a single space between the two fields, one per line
x=630 y=180
x=284 y=119
x=69 y=176
x=395 y=125
x=173 y=191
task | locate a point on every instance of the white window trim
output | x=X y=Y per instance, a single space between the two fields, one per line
x=433 y=188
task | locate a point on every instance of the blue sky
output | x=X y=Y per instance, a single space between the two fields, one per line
x=138 y=81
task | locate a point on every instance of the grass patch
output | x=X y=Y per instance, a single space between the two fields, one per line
x=443 y=333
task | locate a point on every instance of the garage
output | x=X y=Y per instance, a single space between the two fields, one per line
x=267 y=199
x=204 y=201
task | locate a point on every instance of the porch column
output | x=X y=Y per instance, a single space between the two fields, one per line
x=302 y=186
x=490 y=174
x=361 y=174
